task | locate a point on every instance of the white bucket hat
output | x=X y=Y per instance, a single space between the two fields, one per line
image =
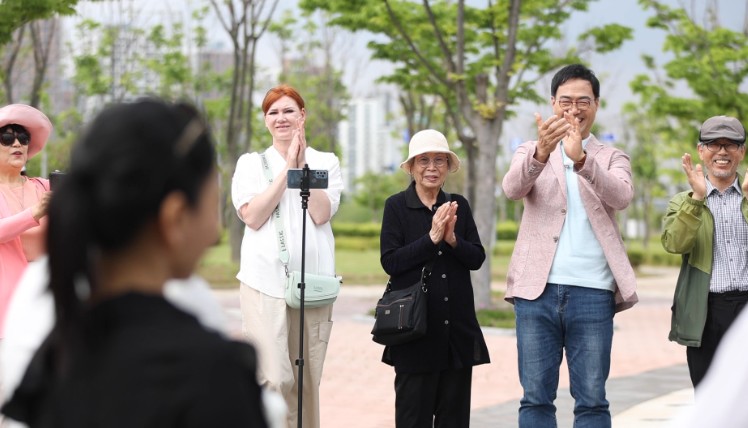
x=429 y=141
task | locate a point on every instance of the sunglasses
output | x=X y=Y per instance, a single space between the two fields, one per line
x=8 y=137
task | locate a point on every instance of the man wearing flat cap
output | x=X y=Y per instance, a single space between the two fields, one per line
x=708 y=226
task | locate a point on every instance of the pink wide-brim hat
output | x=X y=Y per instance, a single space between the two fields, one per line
x=36 y=122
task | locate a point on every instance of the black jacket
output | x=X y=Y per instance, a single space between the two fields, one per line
x=454 y=338
x=145 y=364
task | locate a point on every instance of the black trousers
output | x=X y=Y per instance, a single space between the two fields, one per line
x=722 y=310
x=440 y=400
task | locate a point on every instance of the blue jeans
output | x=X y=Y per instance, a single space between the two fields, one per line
x=580 y=320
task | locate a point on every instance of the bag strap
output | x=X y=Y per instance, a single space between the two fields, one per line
x=426 y=270
x=280 y=231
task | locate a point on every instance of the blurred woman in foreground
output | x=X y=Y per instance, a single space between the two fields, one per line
x=137 y=208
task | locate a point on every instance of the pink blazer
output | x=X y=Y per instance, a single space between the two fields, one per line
x=605 y=187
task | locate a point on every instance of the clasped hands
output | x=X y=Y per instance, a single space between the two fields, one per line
x=443 y=224
x=553 y=130
x=295 y=157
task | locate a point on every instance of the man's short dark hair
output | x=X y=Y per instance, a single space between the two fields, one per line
x=575 y=71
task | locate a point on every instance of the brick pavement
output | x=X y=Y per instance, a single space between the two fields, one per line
x=357 y=389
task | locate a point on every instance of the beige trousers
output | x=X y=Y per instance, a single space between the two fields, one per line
x=273 y=328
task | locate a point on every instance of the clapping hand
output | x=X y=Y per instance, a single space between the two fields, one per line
x=550 y=133
x=696 y=178
x=573 y=139
x=443 y=223
x=449 y=231
x=296 y=157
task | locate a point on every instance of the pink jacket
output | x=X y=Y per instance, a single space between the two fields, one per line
x=12 y=258
x=605 y=187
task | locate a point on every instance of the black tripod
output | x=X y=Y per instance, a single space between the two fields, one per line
x=300 y=361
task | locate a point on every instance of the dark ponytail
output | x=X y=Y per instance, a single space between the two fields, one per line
x=129 y=159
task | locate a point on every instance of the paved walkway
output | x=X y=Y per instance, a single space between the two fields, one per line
x=648 y=383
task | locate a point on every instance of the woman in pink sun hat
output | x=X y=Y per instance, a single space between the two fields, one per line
x=23 y=201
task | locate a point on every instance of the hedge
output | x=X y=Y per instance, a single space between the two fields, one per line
x=366 y=230
x=505 y=230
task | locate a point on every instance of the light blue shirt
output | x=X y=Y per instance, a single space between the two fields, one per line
x=579 y=258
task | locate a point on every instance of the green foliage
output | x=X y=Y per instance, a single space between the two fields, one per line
x=608 y=37
x=356 y=243
x=636 y=257
x=504 y=247
x=507 y=230
x=15 y=13
x=351 y=212
x=374 y=189
x=169 y=62
x=496 y=318
x=651 y=254
x=358 y=264
x=366 y=230
x=426 y=61
x=710 y=60
x=308 y=65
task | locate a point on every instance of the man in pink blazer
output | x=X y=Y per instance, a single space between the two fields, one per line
x=569 y=272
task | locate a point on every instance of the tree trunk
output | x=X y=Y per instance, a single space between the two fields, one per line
x=14 y=48
x=484 y=206
x=42 y=45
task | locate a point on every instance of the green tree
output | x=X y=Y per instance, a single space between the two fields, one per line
x=30 y=48
x=245 y=22
x=478 y=61
x=123 y=60
x=642 y=135
x=374 y=189
x=16 y=13
x=704 y=75
x=307 y=63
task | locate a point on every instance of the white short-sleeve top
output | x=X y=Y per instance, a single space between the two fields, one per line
x=260 y=266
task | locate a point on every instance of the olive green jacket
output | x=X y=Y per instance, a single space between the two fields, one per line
x=688 y=229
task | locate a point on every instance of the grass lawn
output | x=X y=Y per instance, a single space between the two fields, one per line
x=359 y=267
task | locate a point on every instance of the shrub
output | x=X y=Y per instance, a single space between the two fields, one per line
x=663 y=258
x=507 y=230
x=370 y=230
x=636 y=257
x=499 y=318
x=356 y=243
x=504 y=247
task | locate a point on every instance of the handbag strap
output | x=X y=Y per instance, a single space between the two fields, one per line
x=280 y=231
x=426 y=270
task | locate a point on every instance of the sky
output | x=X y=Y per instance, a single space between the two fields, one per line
x=615 y=70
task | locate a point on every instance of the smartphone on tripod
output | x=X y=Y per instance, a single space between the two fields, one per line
x=317 y=178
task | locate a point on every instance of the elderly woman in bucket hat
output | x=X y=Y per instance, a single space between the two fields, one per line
x=423 y=225
x=23 y=201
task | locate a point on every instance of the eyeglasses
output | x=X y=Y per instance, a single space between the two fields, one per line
x=582 y=103
x=8 y=137
x=715 y=147
x=438 y=162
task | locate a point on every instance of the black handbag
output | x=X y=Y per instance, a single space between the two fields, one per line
x=401 y=316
